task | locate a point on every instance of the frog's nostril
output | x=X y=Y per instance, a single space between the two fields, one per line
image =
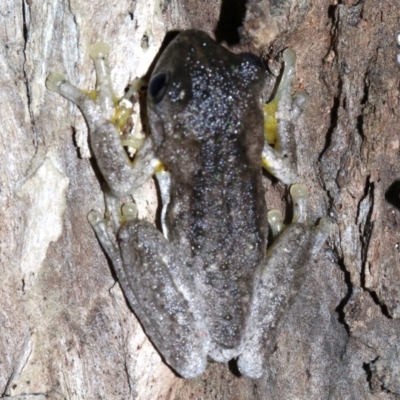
x=158 y=86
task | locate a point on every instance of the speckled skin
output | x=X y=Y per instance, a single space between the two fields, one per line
x=209 y=290
x=207 y=132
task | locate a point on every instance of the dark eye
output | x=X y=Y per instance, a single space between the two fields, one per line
x=253 y=59
x=158 y=86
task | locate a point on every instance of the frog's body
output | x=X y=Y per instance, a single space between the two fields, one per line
x=212 y=147
x=207 y=288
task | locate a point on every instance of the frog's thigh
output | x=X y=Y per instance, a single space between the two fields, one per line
x=280 y=279
x=159 y=280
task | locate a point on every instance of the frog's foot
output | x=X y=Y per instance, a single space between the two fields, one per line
x=279 y=117
x=320 y=233
x=107 y=118
x=115 y=216
x=281 y=279
x=299 y=195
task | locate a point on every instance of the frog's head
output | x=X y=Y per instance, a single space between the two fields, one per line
x=200 y=92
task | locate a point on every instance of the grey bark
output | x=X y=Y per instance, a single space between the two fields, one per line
x=65 y=328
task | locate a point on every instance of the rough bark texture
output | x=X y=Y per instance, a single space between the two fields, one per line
x=65 y=328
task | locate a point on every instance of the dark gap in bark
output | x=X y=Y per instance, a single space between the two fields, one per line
x=26 y=78
x=368 y=371
x=331 y=12
x=24 y=28
x=392 y=195
x=364 y=99
x=233 y=367
x=365 y=235
x=359 y=126
x=231 y=18
x=332 y=126
x=159 y=205
x=340 y=308
x=382 y=306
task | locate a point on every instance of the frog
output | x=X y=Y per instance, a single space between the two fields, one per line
x=205 y=287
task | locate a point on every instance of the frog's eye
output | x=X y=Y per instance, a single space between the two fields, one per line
x=253 y=59
x=158 y=86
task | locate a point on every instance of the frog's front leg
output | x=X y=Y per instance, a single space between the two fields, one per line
x=279 y=152
x=280 y=280
x=105 y=116
x=155 y=279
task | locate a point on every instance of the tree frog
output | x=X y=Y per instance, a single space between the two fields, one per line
x=207 y=287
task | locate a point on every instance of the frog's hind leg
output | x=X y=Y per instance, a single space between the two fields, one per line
x=279 y=152
x=159 y=290
x=281 y=277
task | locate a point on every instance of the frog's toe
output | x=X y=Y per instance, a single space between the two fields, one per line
x=250 y=364
x=321 y=233
x=193 y=368
x=54 y=80
x=300 y=100
x=275 y=221
x=99 y=50
x=299 y=194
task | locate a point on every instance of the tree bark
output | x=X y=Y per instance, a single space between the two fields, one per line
x=66 y=330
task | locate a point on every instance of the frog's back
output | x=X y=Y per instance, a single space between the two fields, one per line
x=208 y=131
x=228 y=240
x=221 y=220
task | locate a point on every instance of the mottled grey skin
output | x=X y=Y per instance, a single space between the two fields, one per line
x=208 y=131
x=209 y=290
